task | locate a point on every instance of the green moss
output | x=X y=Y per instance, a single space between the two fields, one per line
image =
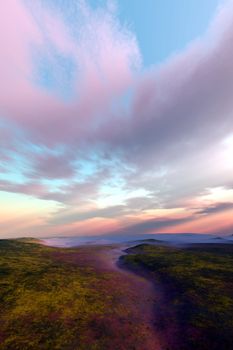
x=201 y=281
x=46 y=303
x=60 y=299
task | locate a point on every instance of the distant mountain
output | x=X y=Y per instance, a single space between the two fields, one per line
x=172 y=238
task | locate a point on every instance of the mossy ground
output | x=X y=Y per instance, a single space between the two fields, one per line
x=58 y=299
x=199 y=284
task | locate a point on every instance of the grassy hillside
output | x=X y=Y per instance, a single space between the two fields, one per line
x=51 y=299
x=199 y=285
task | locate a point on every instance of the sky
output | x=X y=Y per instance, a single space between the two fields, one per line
x=116 y=117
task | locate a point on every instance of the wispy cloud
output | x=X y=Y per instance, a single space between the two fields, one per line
x=81 y=119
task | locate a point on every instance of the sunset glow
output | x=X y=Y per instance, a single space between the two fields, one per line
x=102 y=131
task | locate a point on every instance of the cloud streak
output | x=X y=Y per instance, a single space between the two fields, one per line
x=81 y=124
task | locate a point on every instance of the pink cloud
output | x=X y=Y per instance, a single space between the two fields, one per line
x=105 y=69
x=181 y=103
x=52 y=166
x=180 y=112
